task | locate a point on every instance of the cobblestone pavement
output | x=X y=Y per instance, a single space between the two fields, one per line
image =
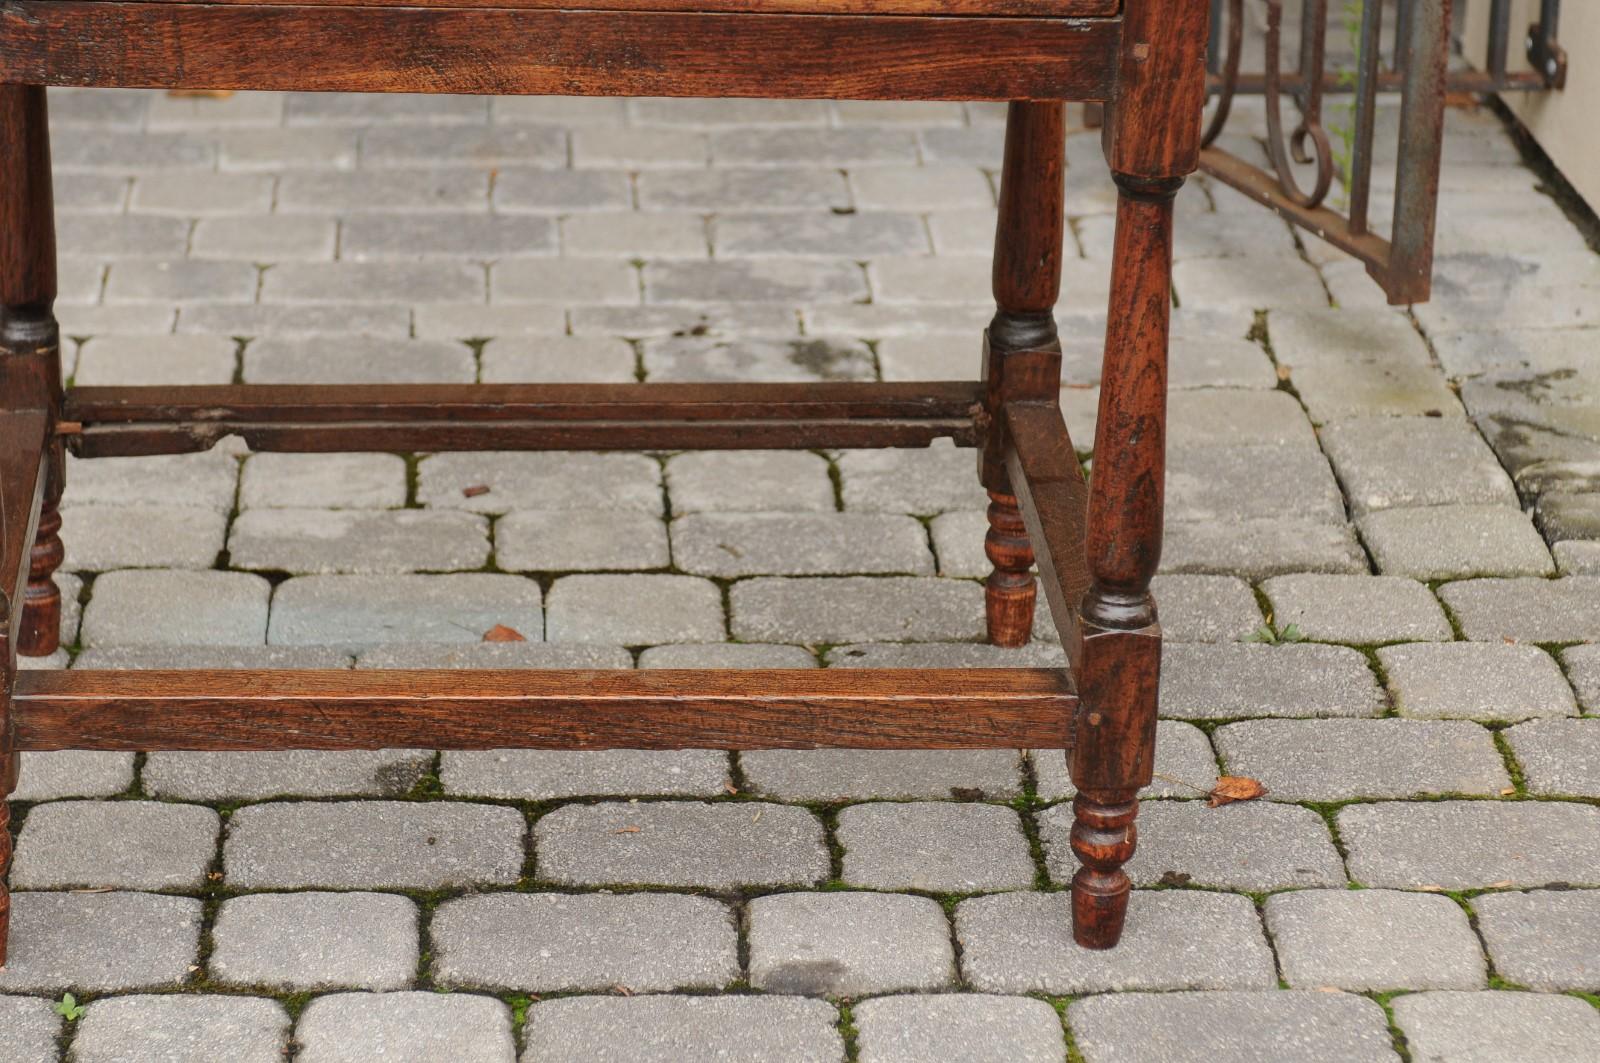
x=1381 y=589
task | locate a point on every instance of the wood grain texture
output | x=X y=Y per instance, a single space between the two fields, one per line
x=1053 y=497
x=1010 y=592
x=121 y=421
x=338 y=48
x=666 y=709
x=1152 y=128
x=945 y=8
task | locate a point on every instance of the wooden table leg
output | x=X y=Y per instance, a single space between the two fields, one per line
x=30 y=342
x=1022 y=353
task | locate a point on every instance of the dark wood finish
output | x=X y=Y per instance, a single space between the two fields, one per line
x=1152 y=141
x=339 y=48
x=1096 y=546
x=120 y=421
x=1021 y=353
x=984 y=8
x=22 y=484
x=1052 y=494
x=30 y=342
x=1005 y=708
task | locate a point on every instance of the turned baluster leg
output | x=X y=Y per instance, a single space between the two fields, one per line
x=30 y=378
x=28 y=331
x=1022 y=354
x=1151 y=139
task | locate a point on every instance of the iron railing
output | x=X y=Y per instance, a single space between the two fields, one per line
x=1401 y=47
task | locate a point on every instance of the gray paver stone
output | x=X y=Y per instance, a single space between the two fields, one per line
x=1374 y=940
x=923 y=482
x=1036 y=654
x=958 y=1028
x=364 y=610
x=296 y=942
x=326 y=481
x=371 y=360
x=140 y=536
x=853 y=774
x=1258 y=846
x=1336 y=760
x=527 y=541
x=1544 y=939
x=1250 y=679
x=1185 y=765
x=367 y=844
x=409 y=1027
x=190 y=657
x=801 y=358
x=800 y=544
x=32 y=1027
x=1472 y=844
x=1243 y=1027
x=515 y=359
x=1359 y=610
x=1453 y=542
x=1477 y=681
x=1227 y=483
x=227 y=776
x=940 y=847
x=1174 y=939
x=49 y=776
x=121 y=844
x=1526 y=610
x=1583 y=670
x=177 y=1028
x=749 y=481
x=1236 y=417
x=1577 y=557
x=1447 y=463
x=675 y=1029
x=101 y=942
x=856 y=609
x=1202 y=608
x=680 y=843
x=545 y=774
x=512 y=655
x=848 y=944
x=559 y=480
x=632 y=610
x=1261 y=547
x=958 y=543
x=552 y=942
x=1488 y=1027
x=137 y=608
x=204 y=481
x=358 y=540
x=1558 y=757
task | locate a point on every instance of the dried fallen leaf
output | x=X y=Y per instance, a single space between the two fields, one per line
x=474 y=490
x=1231 y=788
x=501 y=633
x=1502 y=884
x=626 y=830
x=622 y=989
x=1174 y=878
x=1508 y=791
x=1283 y=372
x=729 y=788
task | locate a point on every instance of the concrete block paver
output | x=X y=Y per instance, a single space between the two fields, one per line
x=527 y=541
x=367 y=610
x=545 y=774
x=1547 y=940
x=1357 y=610
x=1185 y=765
x=729 y=545
x=552 y=942
x=1374 y=940
x=340 y=940
x=409 y=1027
x=631 y=610
x=1174 y=939
x=358 y=540
x=1453 y=542
x=1337 y=760
x=228 y=776
x=958 y=1028
x=848 y=944
x=1526 y=610
x=895 y=774
x=856 y=609
x=1201 y=608
x=1478 y=681
x=1250 y=679
x=1472 y=844
x=680 y=843
x=935 y=846
x=676 y=1029
x=372 y=844
x=1457 y=1027
x=1558 y=757
x=180 y=1028
x=1448 y=463
x=48 y=776
x=122 y=844
x=101 y=942
x=31 y=1026
x=1246 y=1027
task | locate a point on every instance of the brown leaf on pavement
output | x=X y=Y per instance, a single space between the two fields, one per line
x=1231 y=788
x=474 y=490
x=501 y=633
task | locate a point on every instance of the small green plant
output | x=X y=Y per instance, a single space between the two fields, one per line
x=1345 y=131
x=69 y=1008
x=1267 y=634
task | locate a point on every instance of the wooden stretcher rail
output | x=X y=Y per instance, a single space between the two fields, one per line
x=510 y=50
x=1050 y=487
x=666 y=709
x=123 y=421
